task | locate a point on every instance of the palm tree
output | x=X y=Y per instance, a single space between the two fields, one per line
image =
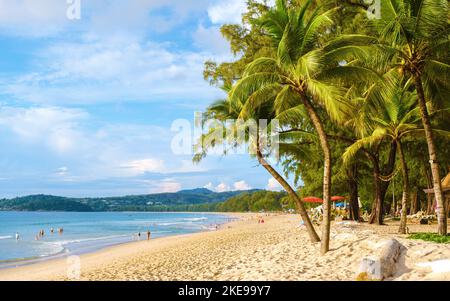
x=415 y=36
x=295 y=76
x=224 y=111
x=395 y=120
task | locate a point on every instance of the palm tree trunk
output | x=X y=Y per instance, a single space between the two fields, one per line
x=301 y=207
x=389 y=169
x=318 y=125
x=405 y=198
x=377 y=208
x=414 y=203
x=429 y=197
x=353 y=188
x=441 y=210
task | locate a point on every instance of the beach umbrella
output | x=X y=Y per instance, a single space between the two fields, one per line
x=338 y=198
x=312 y=199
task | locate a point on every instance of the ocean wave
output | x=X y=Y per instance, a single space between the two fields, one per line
x=172 y=224
x=80 y=240
x=195 y=219
x=6 y=237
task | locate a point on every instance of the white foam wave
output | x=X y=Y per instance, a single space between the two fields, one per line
x=6 y=237
x=66 y=242
x=196 y=219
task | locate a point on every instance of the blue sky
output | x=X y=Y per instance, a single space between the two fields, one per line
x=86 y=106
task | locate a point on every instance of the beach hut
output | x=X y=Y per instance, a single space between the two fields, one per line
x=445 y=190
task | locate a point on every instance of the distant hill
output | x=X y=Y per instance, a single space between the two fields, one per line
x=253 y=201
x=177 y=201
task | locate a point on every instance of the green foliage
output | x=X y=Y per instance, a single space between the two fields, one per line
x=43 y=203
x=254 y=202
x=433 y=237
x=352 y=70
x=162 y=202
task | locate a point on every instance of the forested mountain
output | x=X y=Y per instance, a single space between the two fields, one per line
x=178 y=201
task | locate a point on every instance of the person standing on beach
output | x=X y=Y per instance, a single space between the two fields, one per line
x=17 y=236
x=148 y=234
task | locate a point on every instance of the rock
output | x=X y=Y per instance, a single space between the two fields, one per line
x=383 y=263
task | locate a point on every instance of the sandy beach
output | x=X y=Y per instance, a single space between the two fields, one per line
x=279 y=249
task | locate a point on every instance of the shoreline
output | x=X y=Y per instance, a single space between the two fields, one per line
x=277 y=250
x=14 y=264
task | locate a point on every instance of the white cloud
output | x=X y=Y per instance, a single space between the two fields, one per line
x=273 y=185
x=227 y=11
x=40 y=18
x=222 y=187
x=138 y=167
x=241 y=185
x=96 y=71
x=62 y=171
x=34 y=18
x=211 y=39
x=56 y=127
x=209 y=186
x=110 y=151
x=166 y=185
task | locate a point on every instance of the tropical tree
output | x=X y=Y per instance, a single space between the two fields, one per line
x=296 y=76
x=257 y=139
x=396 y=120
x=413 y=37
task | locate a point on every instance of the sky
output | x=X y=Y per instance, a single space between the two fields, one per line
x=87 y=104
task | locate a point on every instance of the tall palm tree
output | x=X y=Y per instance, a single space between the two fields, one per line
x=395 y=120
x=293 y=76
x=415 y=36
x=224 y=111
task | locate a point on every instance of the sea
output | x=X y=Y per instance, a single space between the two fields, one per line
x=85 y=232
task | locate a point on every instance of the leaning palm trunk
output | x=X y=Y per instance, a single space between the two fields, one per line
x=441 y=209
x=301 y=207
x=318 y=125
x=402 y=229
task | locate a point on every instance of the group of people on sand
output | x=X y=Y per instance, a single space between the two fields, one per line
x=138 y=235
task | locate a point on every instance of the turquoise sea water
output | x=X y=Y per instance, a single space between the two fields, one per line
x=87 y=232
